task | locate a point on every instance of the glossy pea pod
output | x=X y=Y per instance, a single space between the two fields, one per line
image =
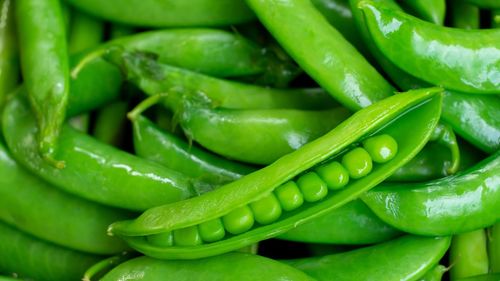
x=94 y=170
x=467 y=61
x=468 y=255
x=26 y=256
x=231 y=266
x=429 y=10
x=296 y=188
x=455 y=204
x=9 y=60
x=45 y=68
x=410 y=258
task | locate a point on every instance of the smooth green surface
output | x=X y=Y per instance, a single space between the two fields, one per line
x=211 y=231
x=9 y=59
x=429 y=10
x=86 y=32
x=485 y=277
x=464 y=15
x=494 y=247
x=312 y=187
x=381 y=148
x=454 y=204
x=405 y=258
x=238 y=220
x=487 y=4
x=289 y=196
x=188 y=236
x=435 y=274
x=333 y=174
x=357 y=162
x=110 y=123
x=267 y=209
x=468 y=255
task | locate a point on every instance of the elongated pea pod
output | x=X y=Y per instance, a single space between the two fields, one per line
x=484 y=277
x=410 y=258
x=101 y=268
x=322 y=52
x=44 y=211
x=464 y=15
x=429 y=10
x=487 y=4
x=455 y=204
x=86 y=32
x=94 y=170
x=467 y=61
x=352 y=224
x=494 y=247
x=435 y=274
x=45 y=68
x=296 y=188
x=156 y=78
x=9 y=60
x=231 y=266
x=26 y=256
x=468 y=255
x=110 y=123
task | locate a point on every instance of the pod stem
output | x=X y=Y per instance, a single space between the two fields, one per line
x=144 y=105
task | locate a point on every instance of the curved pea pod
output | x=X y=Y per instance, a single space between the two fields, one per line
x=94 y=170
x=290 y=191
x=455 y=204
x=487 y=4
x=50 y=214
x=231 y=266
x=352 y=224
x=256 y=136
x=461 y=60
x=428 y=10
x=9 y=58
x=150 y=142
x=26 y=256
x=170 y=13
x=410 y=258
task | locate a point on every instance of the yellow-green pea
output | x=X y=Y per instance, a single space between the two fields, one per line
x=357 y=162
x=313 y=188
x=266 y=210
x=212 y=230
x=188 y=236
x=333 y=174
x=381 y=148
x=238 y=220
x=289 y=196
x=164 y=239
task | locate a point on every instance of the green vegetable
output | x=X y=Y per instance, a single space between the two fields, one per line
x=468 y=254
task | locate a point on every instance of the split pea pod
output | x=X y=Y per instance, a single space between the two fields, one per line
x=45 y=68
x=320 y=176
x=461 y=60
x=9 y=60
x=28 y=257
x=405 y=258
x=44 y=211
x=463 y=202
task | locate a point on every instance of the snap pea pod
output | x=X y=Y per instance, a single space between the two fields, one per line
x=435 y=274
x=26 y=256
x=292 y=190
x=171 y=13
x=351 y=224
x=487 y=4
x=484 y=277
x=45 y=68
x=464 y=15
x=86 y=32
x=322 y=52
x=468 y=255
x=110 y=123
x=94 y=170
x=47 y=213
x=155 y=78
x=428 y=10
x=495 y=18
x=494 y=247
x=467 y=61
x=9 y=61
x=231 y=266
x=405 y=258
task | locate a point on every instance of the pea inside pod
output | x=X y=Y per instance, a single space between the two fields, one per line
x=293 y=180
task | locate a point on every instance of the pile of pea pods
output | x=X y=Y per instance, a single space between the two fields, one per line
x=250 y=140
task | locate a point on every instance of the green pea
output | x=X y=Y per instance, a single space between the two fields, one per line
x=334 y=175
x=188 y=236
x=381 y=148
x=312 y=186
x=211 y=231
x=267 y=209
x=289 y=196
x=357 y=162
x=238 y=220
x=164 y=239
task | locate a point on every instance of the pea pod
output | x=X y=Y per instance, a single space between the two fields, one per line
x=464 y=15
x=231 y=266
x=410 y=257
x=86 y=32
x=352 y=224
x=435 y=274
x=29 y=257
x=468 y=254
x=112 y=177
x=290 y=192
x=45 y=68
x=9 y=61
x=110 y=123
x=494 y=247
x=467 y=61
x=487 y=4
x=429 y=10
x=484 y=277
x=455 y=204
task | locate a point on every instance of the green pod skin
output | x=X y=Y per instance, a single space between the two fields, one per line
x=156 y=78
x=231 y=266
x=484 y=277
x=352 y=224
x=435 y=274
x=86 y=32
x=411 y=108
x=468 y=255
x=119 y=30
x=428 y=10
x=4 y=278
x=48 y=213
x=171 y=13
x=464 y=15
x=495 y=18
x=466 y=201
x=45 y=68
x=322 y=52
x=494 y=247
x=110 y=123
x=410 y=258
x=486 y=4
x=9 y=60
x=94 y=170
x=472 y=59
x=26 y=256
x=153 y=143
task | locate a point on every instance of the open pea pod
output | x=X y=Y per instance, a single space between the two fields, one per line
x=296 y=188
x=455 y=204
